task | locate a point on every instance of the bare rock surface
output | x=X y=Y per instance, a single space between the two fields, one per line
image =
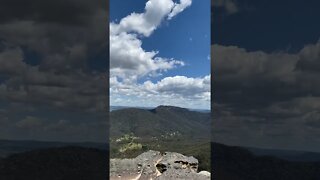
x=157 y=166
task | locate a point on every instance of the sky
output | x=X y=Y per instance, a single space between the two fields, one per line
x=160 y=53
x=266 y=64
x=53 y=72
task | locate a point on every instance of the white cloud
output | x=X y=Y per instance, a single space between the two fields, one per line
x=155 y=11
x=229 y=5
x=77 y=90
x=182 y=86
x=179 y=8
x=178 y=90
x=286 y=87
x=29 y=122
x=11 y=61
x=233 y=62
x=129 y=62
x=128 y=59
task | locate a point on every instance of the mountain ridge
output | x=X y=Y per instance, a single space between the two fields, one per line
x=161 y=119
x=164 y=128
x=238 y=163
x=56 y=163
x=114 y=108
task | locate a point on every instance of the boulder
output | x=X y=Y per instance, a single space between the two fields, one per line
x=154 y=165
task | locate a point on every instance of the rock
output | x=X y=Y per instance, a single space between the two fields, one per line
x=154 y=165
x=206 y=173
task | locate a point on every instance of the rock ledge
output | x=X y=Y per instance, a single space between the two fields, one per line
x=157 y=166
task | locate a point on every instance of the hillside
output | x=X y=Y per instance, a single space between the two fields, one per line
x=290 y=155
x=165 y=128
x=236 y=163
x=159 y=121
x=8 y=147
x=229 y=163
x=56 y=164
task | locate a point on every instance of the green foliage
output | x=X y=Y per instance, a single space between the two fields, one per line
x=235 y=163
x=56 y=163
x=130 y=147
x=174 y=129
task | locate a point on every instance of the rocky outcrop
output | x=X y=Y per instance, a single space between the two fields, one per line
x=157 y=166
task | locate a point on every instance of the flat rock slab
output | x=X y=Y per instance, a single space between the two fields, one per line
x=157 y=166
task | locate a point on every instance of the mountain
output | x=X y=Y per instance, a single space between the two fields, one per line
x=56 y=164
x=113 y=108
x=164 y=128
x=8 y=147
x=290 y=155
x=159 y=121
x=237 y=163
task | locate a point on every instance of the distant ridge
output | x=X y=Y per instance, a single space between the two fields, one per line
x=284 y=154
x=56 y=163
x=8 y=147
x=114 y=108
x=163 y=128
x=169 y=108
x=158 y=121
x=290 y=155
x=237 y=163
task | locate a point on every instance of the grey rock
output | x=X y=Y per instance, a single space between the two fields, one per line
x=206 y=173
x=154 y=165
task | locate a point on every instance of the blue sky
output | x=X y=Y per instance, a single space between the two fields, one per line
x=185 y=38
x=268 y=25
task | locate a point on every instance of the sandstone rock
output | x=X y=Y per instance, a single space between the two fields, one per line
x=206 y=173
x=154 y=165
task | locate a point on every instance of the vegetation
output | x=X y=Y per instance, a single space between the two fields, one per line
x=166 y=128
x=235 y=163
x=130 y=147
x=55 y=164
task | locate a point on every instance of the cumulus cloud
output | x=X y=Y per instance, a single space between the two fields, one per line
x=128 y=60
x=45 y=56
x=75 y=91
x=259 y=96
x=145 y=23
x=11 y=60
x=29 y=122
x=178 y=90
x=155 y=12
x=183 y=86
x=179 y=8
x=230 y=6
x=60 y=43
x=53 y=67
x=309 y=58
x=235 y=62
